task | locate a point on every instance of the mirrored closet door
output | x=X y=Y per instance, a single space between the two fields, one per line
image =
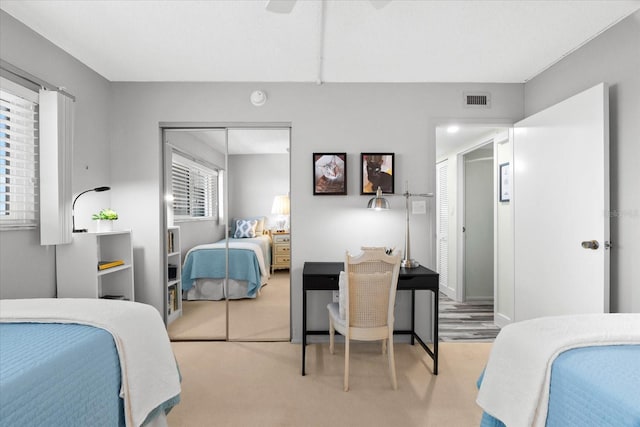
x=227 y=192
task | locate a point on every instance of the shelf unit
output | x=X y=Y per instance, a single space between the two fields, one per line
x=174 y=273
x=77 y=272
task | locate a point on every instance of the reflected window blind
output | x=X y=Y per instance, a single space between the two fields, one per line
x=195 y=189
x=18 y=161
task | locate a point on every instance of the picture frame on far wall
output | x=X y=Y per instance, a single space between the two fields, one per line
x=329 y=174
x=505 y=182
x=376 y=170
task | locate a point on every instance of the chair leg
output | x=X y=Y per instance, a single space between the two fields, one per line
x=346 y=363
x=392 y=365
x=384 y=345
x=332 y=333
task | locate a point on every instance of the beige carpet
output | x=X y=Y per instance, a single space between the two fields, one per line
x=259 y=384
x=263 y=318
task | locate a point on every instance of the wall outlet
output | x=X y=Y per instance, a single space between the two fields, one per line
x=336 y=296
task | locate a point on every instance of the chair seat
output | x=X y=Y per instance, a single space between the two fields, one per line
x=334 y=311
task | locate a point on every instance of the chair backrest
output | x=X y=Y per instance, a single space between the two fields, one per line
x=372 y=280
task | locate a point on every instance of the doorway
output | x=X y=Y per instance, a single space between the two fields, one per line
x=251 y=166
x=477 y=228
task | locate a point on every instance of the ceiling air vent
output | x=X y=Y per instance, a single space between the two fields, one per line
x=477 y=99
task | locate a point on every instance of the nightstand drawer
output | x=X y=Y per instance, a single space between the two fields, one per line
x=281 y=250
x=282 y=259
x=281 y=238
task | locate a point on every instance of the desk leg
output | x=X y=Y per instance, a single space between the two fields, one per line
x=413 y=316
x=304 y=327
x=436 y=315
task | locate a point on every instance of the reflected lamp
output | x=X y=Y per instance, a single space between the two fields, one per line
x=281 y=207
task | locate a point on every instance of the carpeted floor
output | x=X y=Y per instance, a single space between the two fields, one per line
x=259 y=384
x=467 y=321
x=263 y=318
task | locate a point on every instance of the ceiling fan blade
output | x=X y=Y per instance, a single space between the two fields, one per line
x=379 y=4
x=280 y=6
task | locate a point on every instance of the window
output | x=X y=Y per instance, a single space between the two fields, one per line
x=195 y=189
x=18 y=157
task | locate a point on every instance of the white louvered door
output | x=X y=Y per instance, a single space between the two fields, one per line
x=442 y=225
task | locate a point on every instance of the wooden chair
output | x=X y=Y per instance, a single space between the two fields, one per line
x=368 y=293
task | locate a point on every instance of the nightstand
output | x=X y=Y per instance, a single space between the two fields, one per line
x=280 y=250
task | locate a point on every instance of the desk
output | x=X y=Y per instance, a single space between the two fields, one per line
x=323 y=276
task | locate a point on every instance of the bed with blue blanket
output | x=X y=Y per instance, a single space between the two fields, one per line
x=205 y=268
x=564 y=371
x=592 y=387
x=57 y=371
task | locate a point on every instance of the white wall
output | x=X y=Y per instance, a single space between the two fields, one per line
x=26 y=268
x=614 y=58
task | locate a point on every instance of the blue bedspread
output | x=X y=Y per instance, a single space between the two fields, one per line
x=592 y=387
x=58 y=375
x=243 y=265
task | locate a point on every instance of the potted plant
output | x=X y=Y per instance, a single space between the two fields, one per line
x=105 y=219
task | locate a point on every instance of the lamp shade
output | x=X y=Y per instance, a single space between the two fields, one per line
x=378 y=203
x=280 y=205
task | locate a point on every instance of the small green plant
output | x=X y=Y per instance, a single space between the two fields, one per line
x=107 y=214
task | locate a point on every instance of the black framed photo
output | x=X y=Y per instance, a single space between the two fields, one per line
x=505 y=182
x=329 y=173
x=376 y=170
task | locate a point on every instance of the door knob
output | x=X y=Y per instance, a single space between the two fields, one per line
x=590 y=244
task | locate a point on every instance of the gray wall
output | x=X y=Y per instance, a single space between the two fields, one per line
x=613 y=58
x=26 y=268
x=355 y=118
x=254 y=180
x=118 y=143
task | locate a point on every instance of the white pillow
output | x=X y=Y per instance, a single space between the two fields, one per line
x=342 y=297
x=245 y=228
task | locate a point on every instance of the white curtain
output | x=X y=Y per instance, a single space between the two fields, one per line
x=56 y=163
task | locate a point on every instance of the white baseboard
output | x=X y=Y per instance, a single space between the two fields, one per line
x=501 y=320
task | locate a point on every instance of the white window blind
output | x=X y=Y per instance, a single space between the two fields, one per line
x=18 y=158
x=195 y=189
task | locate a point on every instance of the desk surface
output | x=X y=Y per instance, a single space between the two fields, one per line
x=429 y=278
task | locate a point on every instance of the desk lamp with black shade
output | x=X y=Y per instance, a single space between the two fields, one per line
x=73 y=219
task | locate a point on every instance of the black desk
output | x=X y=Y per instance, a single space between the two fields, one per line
x=323 y=276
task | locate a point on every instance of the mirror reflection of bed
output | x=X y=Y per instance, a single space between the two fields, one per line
x=253 y=304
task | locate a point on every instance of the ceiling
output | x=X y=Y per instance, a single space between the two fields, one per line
x=387 y=41
x=319 y=41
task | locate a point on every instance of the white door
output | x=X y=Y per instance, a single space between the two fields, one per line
x=478 y=224
x=442 y=203
x=561 y=205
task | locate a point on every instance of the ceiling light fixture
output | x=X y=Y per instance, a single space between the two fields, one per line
x=453 y=129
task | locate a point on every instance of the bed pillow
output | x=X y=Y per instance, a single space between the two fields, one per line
x=245 y=228
x=259 y=225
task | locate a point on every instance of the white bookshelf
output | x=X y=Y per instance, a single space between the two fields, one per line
x=77 y=272
x=174 y=282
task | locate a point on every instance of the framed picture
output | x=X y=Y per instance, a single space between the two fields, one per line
x=505 y=182
x=376 y=170
x=329 y=173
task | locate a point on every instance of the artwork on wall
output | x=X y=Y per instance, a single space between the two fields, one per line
x=329 y=173
x=376 y=170
x=505 y=183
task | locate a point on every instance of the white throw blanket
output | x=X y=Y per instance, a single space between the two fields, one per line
x=515 y=387
x=148 y=367
x=264 y=272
